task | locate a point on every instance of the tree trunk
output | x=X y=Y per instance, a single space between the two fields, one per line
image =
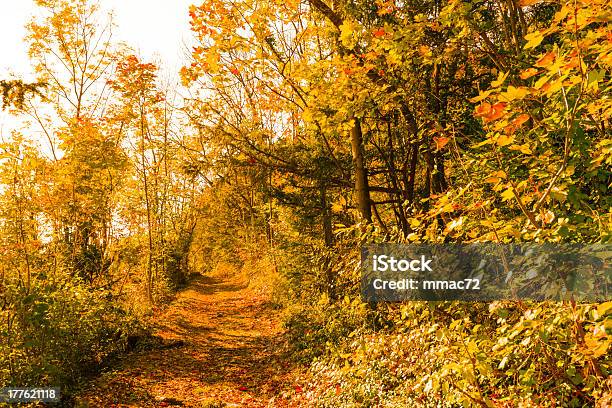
x=362 y=189
x=326 y=215
x=149 y=273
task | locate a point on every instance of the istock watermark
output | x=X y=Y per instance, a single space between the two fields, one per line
x=383 y=263
x=486 y=271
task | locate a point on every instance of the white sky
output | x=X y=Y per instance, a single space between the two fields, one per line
x=157 y=29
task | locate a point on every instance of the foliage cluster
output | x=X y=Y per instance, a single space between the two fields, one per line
x=58 y=330
x=504 y=353
x=419 y=121
x=97 y=205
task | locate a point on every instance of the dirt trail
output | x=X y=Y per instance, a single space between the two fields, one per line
x=228 y=355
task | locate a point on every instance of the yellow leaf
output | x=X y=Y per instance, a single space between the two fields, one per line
x=548 y=217
x=347 y=34
x=507 y=194
x=561 y=14
x=521 y=148
x=500 y=79
x=552 y=87
x=533 y=39
x=484 y=142
x=454 y=224
x=540 y=82
x=596 y=347
x=498 y=187
x=513 y=93
x=337 y=208
x=480 y=96
x=504 y=140
x=604 y=308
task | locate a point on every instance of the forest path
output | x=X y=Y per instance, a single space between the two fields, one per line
x=228 y=354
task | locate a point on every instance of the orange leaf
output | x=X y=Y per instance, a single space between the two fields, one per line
x=424 y=50
x=528 y=73
x=573 y=63
x=546 y=60
x=495 y=177
x=522 y=118
x=497 y=111
x=441 y=141
x=483 y=109
x=516 y=123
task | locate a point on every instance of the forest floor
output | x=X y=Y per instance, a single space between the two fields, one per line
x=226 y=352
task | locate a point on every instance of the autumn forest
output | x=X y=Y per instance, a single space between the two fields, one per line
x=198 y=244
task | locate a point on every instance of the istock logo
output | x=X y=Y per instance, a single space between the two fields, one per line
x=384 y=263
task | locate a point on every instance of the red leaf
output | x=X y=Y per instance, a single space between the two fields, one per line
x=379 y=33
x=298 y=389
x=243 y=388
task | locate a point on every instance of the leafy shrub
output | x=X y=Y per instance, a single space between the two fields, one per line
x=503 y=353
x=58 y=330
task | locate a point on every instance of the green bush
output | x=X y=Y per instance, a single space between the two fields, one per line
x=57 y=331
